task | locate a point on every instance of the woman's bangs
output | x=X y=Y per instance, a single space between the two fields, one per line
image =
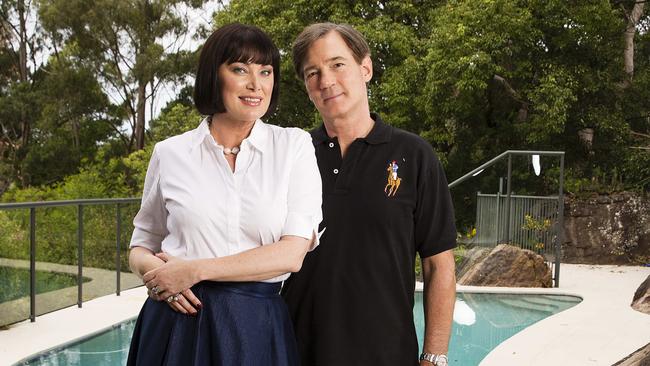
x=253 y=50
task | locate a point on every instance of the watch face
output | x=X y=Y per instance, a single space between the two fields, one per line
x=441 y=361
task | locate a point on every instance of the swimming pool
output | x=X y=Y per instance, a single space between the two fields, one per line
x=481 y=322
x=14 y=282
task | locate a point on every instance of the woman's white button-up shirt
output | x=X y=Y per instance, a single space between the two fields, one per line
x=195 y=206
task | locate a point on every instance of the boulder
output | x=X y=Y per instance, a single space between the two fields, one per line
x=641 y=300
x=470 y=258
x=509 y=266
x=639 y=358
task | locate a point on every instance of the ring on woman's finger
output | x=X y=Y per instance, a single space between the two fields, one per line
x=155 y=290
x=172 y=299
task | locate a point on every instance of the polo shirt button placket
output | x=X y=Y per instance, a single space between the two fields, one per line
x=331 y=144
x=335 y=171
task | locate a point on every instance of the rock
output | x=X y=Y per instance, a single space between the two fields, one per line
x=509 y=266
x=607 y=229
x=470 y=258
x=641 y=300
x=639 y=358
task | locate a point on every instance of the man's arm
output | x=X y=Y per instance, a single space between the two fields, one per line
x=439 y=298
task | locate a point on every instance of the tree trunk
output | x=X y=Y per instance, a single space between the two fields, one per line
x=633 y=18
x=22 y=67
x=76 y=127
x=25 y=125
x=22 y=52
x=140 y=112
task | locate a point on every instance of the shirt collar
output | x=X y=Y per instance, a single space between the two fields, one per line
x=258 y=138
x=379 y=134
x=200 y=133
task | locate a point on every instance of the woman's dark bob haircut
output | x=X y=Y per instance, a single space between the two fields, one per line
x=233 y=43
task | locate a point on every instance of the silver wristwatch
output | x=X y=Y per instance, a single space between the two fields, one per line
x=437 y=360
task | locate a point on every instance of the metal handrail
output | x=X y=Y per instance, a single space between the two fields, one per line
x=496 y=159
x=80 y=217
x=82 y=202
x=509 y=154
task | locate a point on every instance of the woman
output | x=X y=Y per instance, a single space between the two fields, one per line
x=231 y=203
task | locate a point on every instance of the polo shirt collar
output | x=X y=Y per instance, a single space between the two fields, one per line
x=379 y=134
x=259 y=137
x=320 y=135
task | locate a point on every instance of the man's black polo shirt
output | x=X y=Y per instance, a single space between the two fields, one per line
x=352 y=301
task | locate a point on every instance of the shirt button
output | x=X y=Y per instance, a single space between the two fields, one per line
x=336 y=171
x=331 y=144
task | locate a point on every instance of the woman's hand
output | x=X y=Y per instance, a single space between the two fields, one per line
x=175 y=277
x=186 y=303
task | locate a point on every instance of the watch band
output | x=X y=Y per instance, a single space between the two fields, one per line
x=437 y=360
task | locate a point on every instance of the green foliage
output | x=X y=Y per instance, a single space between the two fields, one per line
x=14 y=240
x=177 y=119
x=474 y=78
x=106 y=177
x=637 y=170
x=121 y=42
x=601 y=182
x=68 y=128
x=477 y=78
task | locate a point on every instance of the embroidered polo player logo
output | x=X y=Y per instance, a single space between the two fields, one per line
x=393 y=180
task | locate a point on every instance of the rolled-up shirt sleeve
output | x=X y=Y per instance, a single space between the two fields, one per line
x=150 y=224
x=304 y=197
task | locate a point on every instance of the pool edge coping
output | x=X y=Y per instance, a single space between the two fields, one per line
x=72 y=342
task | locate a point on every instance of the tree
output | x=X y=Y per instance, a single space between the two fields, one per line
x=476 y=78
x=74 y=119
x=123 y=42
x=20 y=49
x=633 y=16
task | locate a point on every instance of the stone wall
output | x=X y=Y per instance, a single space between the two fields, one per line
x=607 y=229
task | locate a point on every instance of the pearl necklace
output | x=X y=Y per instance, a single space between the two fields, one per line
x=231 y=150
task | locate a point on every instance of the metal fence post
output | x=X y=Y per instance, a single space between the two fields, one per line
x=80 y=236
x=508 y=202
x=118 y=234
x=32 y=264
x=560 y=232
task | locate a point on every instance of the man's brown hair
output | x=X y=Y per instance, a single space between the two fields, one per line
x=353 y=39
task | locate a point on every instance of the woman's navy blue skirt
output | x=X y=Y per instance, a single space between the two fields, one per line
x=240 y=324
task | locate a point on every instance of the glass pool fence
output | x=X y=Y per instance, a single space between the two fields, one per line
x=56 y=254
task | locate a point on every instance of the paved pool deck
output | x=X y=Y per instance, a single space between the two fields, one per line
x=601 y=330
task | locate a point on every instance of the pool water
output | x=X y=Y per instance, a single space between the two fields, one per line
x=14 y=282
x=481 y=322
x=109 y=348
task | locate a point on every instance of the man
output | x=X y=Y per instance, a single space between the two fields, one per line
x=352 y=301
